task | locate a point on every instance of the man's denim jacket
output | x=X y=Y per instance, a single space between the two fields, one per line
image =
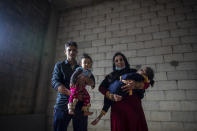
x=61 y=75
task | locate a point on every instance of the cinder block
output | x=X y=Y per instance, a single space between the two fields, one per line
x=134 y=31
x=166 y=85
x=187 y=24
x=118 y=20
x=187 y=66
x=132 y=19
x=143 y=23
x=175 y=95
x=119 y=47
x=154 y=126
x=98 y=18
x=99 y=42
x=104 y=35
x=159 y=20
x=90 y=50
x=98 y=30
x=135 y=45
x=141 y=11
x=177 y=75
x=84 y=44
x=127 y=25
x=86 y=32
x=176 y=18
x=137 y=61
x=151 y=29
x=188 y=105
x=187 y=84
x=98 y=56
x=154 y=95
x=166 y=12
x=183 y=116
x=191 y=95
x=161 y=35
x=190 y=126
x=130 y=53
x=104 y=48
x=79 y=27
x=91 y=37
x=112 y=41
x=104 y=63
x=173 y=57
x=144 y=37
x=119 y=33
x=151 y=105
x=170 y=41
x=190 y=56
x=160 y=76
x=113 y=27
x=160 y=116
x=172 y=126
x=189 y=39
x=170 y=105
x=154 y=59
x=127 y=39
x=149 y=15
x=163 y=50
x=105 y=23
x=152 y=43
x=179 y=32
x=168 y=26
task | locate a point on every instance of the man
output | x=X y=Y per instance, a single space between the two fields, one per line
x=60 y=82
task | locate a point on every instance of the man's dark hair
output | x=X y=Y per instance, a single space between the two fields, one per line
x=71 y=43
x=85 y=55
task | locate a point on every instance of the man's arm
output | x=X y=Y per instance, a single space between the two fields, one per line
x=56 y=80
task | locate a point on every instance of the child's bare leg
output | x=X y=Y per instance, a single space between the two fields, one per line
x=70 y=109
x=71 y=106
x=98 y=118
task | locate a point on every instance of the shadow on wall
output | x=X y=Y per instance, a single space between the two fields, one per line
x=23 y=123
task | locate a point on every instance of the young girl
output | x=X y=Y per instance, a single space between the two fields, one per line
x=143 y=76
x=85 y=72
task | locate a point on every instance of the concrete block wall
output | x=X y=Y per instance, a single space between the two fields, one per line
x=157 y=33
x=21 y=43
x=23 y=25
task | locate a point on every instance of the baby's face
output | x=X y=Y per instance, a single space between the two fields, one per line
x=86 y=63
x=141 y=71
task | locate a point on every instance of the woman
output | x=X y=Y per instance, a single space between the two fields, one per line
x=126 y=113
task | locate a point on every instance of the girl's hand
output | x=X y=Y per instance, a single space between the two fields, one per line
x=117 y=97
x=129 y=86
x=113 y=97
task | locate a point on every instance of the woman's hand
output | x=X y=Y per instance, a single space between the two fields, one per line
x=113 y=97
x=117 y=97
x=129 y=86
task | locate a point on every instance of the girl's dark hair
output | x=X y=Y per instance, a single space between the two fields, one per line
x=71 y=43
x=85 y=55
x=150 y=74
x=124 y=58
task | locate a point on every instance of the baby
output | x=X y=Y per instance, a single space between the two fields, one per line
x=143 y=76
x=85 y=72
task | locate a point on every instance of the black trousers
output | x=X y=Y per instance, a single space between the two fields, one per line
x=62 y=119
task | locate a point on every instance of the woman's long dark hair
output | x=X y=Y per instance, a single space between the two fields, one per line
x=124 y=58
